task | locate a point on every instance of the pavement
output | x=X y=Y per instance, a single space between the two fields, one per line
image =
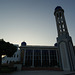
x=39 y=73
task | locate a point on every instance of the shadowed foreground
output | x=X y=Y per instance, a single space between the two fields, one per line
x=40 y=73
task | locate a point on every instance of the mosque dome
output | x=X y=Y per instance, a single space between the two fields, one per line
x=23 y=43
x=58 y=7
x=55 y=44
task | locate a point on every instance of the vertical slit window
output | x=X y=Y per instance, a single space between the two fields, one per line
x=63 y=26
x=60 y=14
x=60 y=26
x=60 y=30
x=57 y=14
x=61 y=17
x=58 y=20
x=63 y=29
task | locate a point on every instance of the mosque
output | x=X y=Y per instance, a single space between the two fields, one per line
x=62 y=54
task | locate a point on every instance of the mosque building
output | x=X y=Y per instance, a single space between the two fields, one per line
x=62 y=54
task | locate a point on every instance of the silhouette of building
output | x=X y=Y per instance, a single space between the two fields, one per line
x=38 y=56
x=65 y=45
x=60 y=55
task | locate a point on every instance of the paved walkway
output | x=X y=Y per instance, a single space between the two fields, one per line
x=41 y=73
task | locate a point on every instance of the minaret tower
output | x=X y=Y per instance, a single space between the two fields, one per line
x=65 y=45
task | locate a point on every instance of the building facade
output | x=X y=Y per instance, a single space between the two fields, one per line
x=39 y=56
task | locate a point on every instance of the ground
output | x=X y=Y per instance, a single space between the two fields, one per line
x=40 y=73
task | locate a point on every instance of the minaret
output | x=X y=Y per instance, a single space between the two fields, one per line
x=65 y=45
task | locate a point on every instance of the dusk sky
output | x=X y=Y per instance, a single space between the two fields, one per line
x=33 y=21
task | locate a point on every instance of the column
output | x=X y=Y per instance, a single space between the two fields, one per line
x=41 y=57
x=57 y=56
x=49 y=56
x=33 y=59
x=24 y=57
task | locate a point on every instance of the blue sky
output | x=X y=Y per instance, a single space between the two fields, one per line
x=33 y=21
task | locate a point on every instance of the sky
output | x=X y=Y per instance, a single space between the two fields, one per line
x=33 y=21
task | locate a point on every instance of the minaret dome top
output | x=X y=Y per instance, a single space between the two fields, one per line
x=23 y=43
x=58 y=7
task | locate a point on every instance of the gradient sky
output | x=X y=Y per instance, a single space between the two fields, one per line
x=33 y=21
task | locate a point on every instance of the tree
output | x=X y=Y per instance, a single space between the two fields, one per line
x=7 y=49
